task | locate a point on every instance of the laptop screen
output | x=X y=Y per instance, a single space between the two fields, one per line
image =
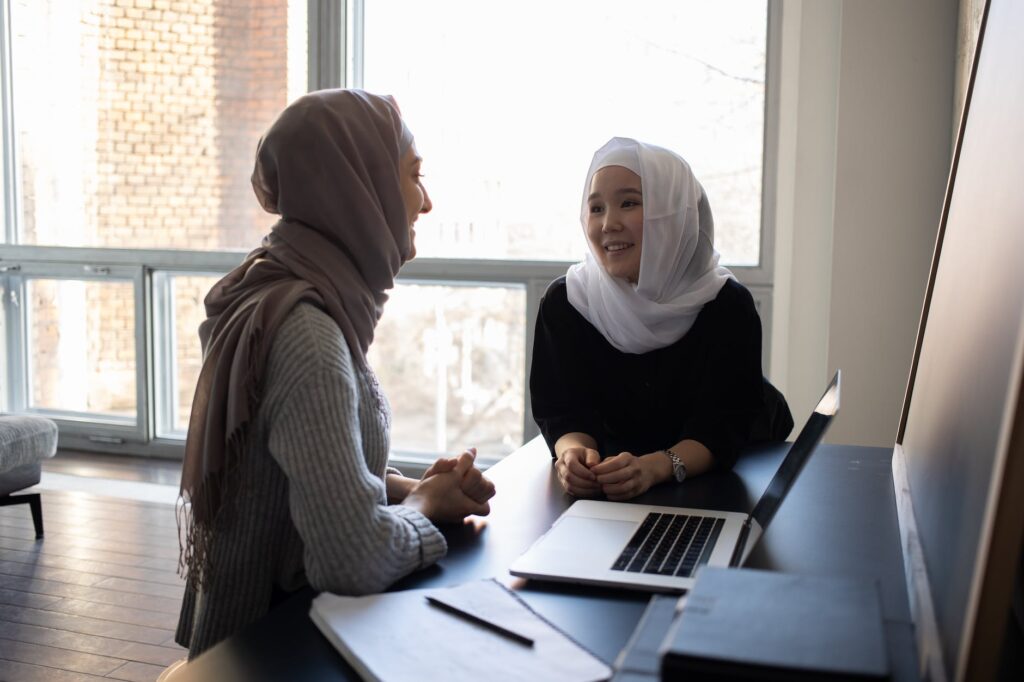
x=798 y=455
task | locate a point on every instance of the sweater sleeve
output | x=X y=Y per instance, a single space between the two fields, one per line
x=559 y=394
x=731 y=384
x=354 y=543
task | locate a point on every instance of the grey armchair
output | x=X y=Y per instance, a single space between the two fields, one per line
x=25 y=441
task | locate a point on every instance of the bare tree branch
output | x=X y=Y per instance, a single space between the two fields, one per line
x=706 y=65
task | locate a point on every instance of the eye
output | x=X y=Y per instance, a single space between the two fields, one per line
x=630 y=203
x=596 y=208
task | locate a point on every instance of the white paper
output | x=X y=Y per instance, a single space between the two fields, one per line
x=399 y=636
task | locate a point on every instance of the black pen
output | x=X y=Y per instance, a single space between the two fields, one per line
x=515 y=636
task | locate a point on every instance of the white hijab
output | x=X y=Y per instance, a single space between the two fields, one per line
x=679 y=270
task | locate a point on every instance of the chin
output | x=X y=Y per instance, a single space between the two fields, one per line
x=622 y=273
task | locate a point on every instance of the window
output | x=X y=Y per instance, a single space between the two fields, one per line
x=531 y=89
x=128 y=138
x=451 y=360
x=134 y=121
x=178 y=356
x=81 y=355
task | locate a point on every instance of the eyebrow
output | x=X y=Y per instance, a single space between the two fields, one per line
x=624 y=190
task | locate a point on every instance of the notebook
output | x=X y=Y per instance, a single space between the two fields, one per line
x=399 y=636
x=760 y=625
x=653 y=548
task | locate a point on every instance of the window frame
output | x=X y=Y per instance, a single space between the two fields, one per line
x=335 y=35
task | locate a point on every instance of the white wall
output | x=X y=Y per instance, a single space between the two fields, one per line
x=864 y=158
x=806 y=178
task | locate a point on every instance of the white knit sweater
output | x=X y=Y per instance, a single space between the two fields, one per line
x=311 y=505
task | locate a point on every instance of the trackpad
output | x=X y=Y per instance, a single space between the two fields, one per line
x=601 y=537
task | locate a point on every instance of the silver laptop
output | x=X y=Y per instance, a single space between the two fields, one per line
x=654 y=548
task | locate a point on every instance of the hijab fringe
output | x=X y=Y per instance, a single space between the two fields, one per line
x=197 y=511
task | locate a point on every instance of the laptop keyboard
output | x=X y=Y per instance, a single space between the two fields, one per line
x=670 y=544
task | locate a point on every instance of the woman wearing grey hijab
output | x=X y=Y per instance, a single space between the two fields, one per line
x=285 y=480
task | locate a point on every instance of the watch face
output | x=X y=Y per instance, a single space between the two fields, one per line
x=678 y=468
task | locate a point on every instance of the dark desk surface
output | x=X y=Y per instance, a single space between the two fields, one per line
x=839 y=519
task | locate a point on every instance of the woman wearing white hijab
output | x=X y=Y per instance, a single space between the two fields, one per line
x=285 y=481
x=647 y=355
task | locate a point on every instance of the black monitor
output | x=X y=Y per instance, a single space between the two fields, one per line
x=958 y=465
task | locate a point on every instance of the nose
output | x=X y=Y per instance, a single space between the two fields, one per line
x=611 y=222
x=428 y=205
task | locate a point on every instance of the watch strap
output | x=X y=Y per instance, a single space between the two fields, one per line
x=678 y=467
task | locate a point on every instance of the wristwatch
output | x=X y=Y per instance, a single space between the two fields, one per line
x=678 y=468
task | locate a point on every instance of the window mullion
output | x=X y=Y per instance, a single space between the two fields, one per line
x=770 y=144
x=327 y=35
x=15 y=324
x=144 y=367
x=162 y=330
x=534 y=292
x=7 y=138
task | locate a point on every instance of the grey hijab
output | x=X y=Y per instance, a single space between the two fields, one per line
x=329 y=167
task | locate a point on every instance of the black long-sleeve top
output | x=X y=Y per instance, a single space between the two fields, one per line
x=707 y=386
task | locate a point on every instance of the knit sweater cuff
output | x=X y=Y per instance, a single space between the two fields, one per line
x=432 y=544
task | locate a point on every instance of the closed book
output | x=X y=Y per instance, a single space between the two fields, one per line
x=743 y=624
x=640 y=659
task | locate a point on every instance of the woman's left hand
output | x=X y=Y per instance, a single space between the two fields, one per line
x=623 y=476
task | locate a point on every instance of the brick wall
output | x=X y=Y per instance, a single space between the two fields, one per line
x=170 y=99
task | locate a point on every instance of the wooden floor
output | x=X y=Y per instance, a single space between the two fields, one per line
x=97 y=598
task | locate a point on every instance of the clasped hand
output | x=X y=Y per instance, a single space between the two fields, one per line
x=582 y=473
x=452 y=489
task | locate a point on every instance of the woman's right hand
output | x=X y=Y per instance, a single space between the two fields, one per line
x=573 y=468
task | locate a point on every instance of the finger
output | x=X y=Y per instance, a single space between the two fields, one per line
x=617 y=488
x=467 y=505
x=491 y=490
x=592 y=457
x=610 y=464
x=572 y=454
x=483 y=490
x=576 y=482
x=626 y=488
x=475 y=486
x=580 y=492
x=441 y=465
x=579 y=470
x=463 y=463
x=617 y=475
x=471 y=478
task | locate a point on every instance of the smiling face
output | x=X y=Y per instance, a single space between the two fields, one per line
x=414 y=194
x=615 y=221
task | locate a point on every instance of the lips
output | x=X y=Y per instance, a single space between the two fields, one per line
x=616 y=247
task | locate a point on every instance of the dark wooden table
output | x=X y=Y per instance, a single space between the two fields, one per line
x=839 y=519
